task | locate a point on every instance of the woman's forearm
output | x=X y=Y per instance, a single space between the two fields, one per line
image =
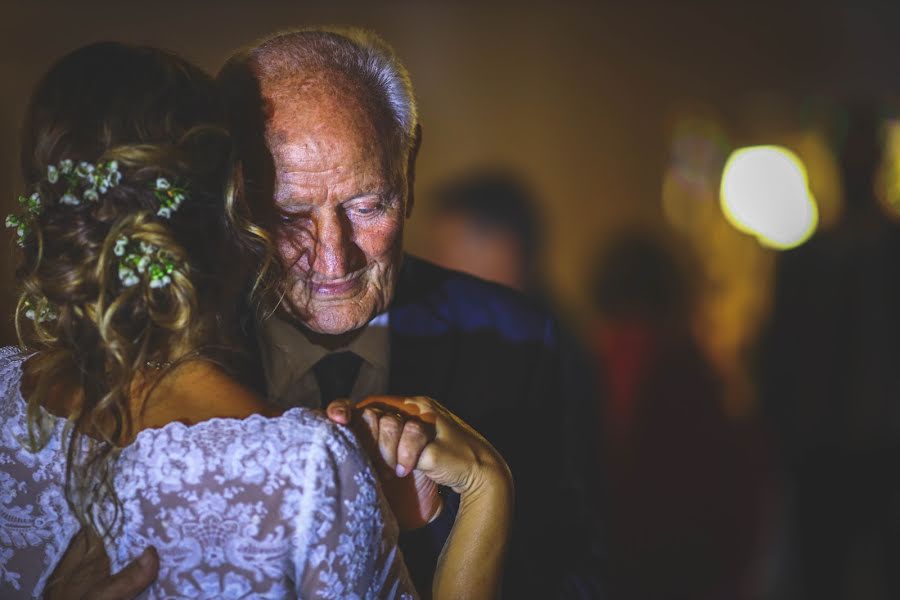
x=471 y=563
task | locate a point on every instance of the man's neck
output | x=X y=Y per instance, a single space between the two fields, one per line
x=331 y=342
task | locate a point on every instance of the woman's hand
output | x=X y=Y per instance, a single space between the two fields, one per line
x=457 y=457
x=394 y=442
x=418 y=435
x=447 y=452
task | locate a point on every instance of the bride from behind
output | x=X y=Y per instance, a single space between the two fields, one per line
x=121 y=418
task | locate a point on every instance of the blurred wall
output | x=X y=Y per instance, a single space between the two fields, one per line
x=577 y=97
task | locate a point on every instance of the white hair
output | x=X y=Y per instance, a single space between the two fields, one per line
x=360 y=55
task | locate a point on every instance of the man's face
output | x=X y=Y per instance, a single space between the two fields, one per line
x=342 y=208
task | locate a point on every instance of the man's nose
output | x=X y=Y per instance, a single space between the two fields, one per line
x=335 y=252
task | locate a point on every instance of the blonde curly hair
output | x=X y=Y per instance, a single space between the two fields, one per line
x=156 y=115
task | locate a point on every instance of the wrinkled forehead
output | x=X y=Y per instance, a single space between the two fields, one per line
x=327 y=110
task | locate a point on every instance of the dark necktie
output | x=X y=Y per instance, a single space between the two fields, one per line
x=336 y=374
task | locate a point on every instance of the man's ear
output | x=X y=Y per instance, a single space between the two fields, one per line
x=411 y=170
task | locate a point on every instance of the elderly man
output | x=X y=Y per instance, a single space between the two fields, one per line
x=327 y=130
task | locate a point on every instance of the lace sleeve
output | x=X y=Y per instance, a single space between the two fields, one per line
x=355 y=554
x=263 y=508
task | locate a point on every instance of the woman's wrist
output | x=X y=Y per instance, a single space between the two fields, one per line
x=471 y=562
x=491 y=478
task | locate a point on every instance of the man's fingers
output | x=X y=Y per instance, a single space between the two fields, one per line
x=130 y=581
x=340 y=411
x=397 y=431
x=413 y=439
x=367 y=432
x=413 y=407
x=389 y=429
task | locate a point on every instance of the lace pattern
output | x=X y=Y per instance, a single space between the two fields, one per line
x=262 y=507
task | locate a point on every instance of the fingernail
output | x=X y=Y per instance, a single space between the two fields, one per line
x=401 y=471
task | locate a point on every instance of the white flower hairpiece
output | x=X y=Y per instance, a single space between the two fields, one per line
x=40 y=311
x=22 y=223
x=169 y=196
x=143 y=260
x=86 y=181
x=93 y=179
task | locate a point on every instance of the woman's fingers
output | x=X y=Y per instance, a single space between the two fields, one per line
x=427 y=409
x=428 y=460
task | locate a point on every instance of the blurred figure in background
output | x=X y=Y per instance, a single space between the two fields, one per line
x=684 y=494
x=487 y=223
x=830 y=384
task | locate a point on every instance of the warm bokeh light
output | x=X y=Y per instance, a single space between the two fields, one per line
x=698 y=151
x=824 y=172
x=765 y=193
x=887 y=185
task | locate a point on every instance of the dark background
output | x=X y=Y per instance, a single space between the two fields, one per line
x=577 y=97
x=590 y=104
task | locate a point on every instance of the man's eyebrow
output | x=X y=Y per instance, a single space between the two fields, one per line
x=293 y=196
x=296 y=207
x=381 y=194
x=293 y=192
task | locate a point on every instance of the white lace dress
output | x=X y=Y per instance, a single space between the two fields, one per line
x=283 y=507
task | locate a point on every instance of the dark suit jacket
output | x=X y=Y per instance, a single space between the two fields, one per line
x=498 y=362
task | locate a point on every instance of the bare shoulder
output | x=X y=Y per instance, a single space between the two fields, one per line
x=198 y=391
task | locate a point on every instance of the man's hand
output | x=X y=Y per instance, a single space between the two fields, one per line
x=394 y=435
x=130 y=581
x=83 y=572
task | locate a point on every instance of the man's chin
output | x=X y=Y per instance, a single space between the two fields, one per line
x=329 y=316
x=336 y=322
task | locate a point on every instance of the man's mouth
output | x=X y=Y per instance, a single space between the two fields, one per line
x=336 y=287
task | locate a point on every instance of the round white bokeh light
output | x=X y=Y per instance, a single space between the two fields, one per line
x=765 y=193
